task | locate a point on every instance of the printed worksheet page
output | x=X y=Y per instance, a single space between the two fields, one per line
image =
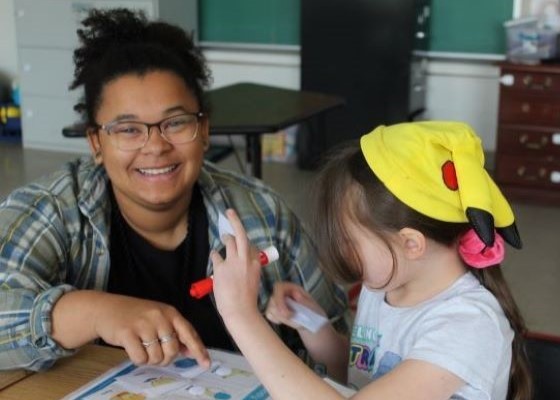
x=229 y=378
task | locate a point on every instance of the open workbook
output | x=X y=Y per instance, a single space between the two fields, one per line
x=229 y=377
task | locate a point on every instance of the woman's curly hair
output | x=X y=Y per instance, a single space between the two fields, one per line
x=119 y=41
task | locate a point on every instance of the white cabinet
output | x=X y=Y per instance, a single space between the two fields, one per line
x=46 y=38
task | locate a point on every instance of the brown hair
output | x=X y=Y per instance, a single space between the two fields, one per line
x=348 y=188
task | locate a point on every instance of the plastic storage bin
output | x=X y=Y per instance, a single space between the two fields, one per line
x=528 y=43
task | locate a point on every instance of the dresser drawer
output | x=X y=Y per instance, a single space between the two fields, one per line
x=532 y=110
x=528 y=171
x=529 y=141
x=530 y=81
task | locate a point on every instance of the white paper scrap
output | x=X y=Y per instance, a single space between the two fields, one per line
x=224 y=227
x=306 y=317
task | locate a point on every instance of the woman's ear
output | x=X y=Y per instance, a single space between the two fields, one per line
x=413 y=243
x=204 y=132
x=94 y=145
x=206 y=144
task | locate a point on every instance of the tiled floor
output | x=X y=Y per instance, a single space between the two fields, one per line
x=533 y=272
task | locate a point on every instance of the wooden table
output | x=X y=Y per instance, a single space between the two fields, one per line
x=66 y=375
x=252 y=109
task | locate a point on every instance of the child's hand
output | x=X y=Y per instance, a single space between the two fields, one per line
x=237 y=278
x=278 y=311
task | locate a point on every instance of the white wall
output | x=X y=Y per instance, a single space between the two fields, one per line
x=466 y=91
x=457 y=89
x=8 y=50
x=277 y=68
x=460 y=90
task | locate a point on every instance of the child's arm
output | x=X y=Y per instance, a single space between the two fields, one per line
x=285 y=376
x=236 y=287
x=326 y=346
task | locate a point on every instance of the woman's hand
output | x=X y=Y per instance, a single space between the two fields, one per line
x=150 y=332
x=237 y=278
x=279 y=312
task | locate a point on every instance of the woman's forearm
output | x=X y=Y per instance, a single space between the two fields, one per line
x=73 y=318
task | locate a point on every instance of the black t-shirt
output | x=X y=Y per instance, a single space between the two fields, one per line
x=139 y=269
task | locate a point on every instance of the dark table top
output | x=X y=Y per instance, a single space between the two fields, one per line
x=252 y=108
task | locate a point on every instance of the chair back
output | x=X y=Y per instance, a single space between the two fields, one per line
x=544 y=358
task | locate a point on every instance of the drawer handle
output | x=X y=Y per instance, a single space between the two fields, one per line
x=522 y=171
x=524 y=140
x=507 y=80
x=528 y=82
x=526 y=108
x=555 y=177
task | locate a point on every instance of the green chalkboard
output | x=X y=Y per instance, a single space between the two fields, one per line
x=463 y=26
x=469 y=26
x=274 y=22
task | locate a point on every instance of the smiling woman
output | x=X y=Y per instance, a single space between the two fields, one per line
x=106 y=248
x=150 y=172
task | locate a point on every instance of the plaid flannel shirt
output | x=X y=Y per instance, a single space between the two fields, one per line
x=54 y=238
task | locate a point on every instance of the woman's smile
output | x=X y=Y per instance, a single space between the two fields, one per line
x=158 y=171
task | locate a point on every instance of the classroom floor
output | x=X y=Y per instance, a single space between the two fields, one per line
x=533 y=272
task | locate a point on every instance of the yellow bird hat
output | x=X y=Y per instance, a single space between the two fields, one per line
x=437 y=169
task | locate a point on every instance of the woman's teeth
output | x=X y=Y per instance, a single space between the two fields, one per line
x=157 y=171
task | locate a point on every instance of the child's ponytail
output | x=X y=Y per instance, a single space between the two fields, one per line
x=520 y=385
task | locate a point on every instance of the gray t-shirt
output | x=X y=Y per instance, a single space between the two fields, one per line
x=463 y=330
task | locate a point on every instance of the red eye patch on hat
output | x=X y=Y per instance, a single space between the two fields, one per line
x=449 y=175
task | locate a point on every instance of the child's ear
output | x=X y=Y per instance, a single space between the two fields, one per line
x=413 y=243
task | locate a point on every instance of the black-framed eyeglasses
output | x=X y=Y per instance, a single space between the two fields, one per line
x=133 y=135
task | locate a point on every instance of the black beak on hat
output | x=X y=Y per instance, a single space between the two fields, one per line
x=483 y=224
x=511 y=235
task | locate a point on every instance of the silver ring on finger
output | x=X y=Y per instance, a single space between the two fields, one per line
x=148 y=343
x=167 y=338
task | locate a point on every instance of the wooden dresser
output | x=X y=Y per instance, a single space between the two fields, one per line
x=528 y=140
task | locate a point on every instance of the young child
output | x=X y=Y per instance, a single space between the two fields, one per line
x=414 y=216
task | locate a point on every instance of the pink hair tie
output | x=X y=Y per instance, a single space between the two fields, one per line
x=476 y=254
